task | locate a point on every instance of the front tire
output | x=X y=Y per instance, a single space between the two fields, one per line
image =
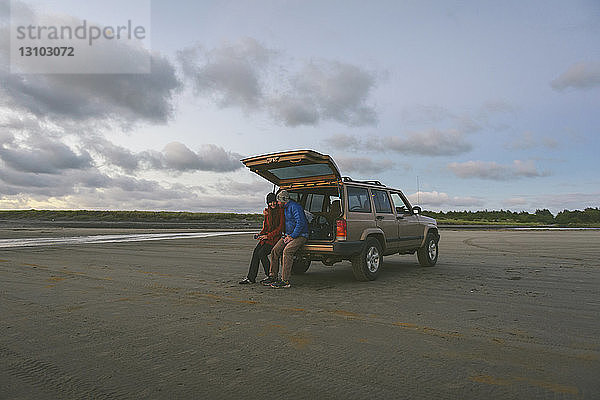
x=428 y=253
x=367 y=264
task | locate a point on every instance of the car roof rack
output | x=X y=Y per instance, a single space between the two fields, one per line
x=348 y=179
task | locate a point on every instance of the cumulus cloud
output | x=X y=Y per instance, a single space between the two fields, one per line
x=44 y=156
x=239 y=75
x=494 y=171
x=327 y=90
x=230 y=74
x=177 y=156
x=582 y=75
x=113 y=154
x=436 y=199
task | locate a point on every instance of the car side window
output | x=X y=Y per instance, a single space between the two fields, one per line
x=358 y=200
x=382 y=201
x=314 y=202
x=399 y=204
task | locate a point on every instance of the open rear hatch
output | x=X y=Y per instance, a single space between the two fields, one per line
x=295 y=167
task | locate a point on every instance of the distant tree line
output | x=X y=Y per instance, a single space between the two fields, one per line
x=539 y=217
x=129 y=216
x=544 y=216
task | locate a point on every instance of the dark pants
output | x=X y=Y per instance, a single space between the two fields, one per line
x=261 y=251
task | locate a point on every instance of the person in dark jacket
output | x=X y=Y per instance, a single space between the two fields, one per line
x=273 y=225
x=296 y=235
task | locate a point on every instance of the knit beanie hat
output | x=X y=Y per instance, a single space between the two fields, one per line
x=271 y=198
x=283 y=196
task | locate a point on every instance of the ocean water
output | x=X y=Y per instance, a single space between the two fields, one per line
x=140 y=237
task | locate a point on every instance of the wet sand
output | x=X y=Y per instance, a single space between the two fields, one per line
x=504 y=314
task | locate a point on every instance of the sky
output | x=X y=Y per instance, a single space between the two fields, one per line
x=463 y=105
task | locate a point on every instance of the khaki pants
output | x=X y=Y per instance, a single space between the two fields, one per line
x=287 y=251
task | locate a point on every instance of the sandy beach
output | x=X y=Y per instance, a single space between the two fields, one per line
x=504 y=314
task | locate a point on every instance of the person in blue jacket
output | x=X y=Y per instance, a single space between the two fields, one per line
x=295 y=236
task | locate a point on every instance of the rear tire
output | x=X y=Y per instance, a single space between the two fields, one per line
x=367 y=264
x=300 y=266
x=428 y=253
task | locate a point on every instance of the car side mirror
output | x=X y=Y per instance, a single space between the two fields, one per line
x=416 y=210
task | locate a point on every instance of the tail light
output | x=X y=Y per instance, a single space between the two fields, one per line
x=340 y=231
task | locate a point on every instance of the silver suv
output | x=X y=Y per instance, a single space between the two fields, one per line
x=359 y=221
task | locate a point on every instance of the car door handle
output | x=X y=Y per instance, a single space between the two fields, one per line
x=399 y=217
x=379 y=217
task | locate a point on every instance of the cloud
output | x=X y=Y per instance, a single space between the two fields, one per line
x=113 y=154
x=44 y=156
x=494 y=171
x=581 y=75
x=363 y=165
x=327 y=90
x=178 y=157
x=112 y=97
x=294 y=111
x=529 y=141
x=69 y=191
x=122 y=98
x=15 y=182
x=429 y=143
x=230 y=74
x=175 y=156
x=433 y=142
x=53 y=152
x=343 y=141
x=240 y=74
x=437 y=199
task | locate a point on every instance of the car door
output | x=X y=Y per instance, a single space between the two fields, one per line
x=410 y=233
x=360 y=211
x=386 y=219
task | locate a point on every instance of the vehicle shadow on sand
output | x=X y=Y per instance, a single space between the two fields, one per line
x=340 y=274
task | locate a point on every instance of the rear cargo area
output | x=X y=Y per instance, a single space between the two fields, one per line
x=322 y=206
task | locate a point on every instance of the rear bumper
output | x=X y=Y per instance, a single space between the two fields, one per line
x=342 y=249
x=348 y=248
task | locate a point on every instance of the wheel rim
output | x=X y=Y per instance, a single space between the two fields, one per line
x=373 y=259
x=432 y=250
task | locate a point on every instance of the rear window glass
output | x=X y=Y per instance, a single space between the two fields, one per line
x=301 y=171
x=358 y=200
x=382 y=201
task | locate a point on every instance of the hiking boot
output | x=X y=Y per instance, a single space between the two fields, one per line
x=268 y=280
x=281 y=284
x=245 y=281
